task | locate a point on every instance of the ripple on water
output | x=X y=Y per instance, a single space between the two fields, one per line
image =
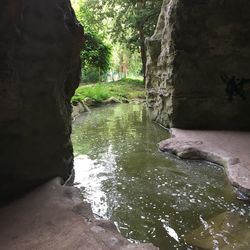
x=150 y=196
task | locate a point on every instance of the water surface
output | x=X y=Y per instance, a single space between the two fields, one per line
x=151 y=196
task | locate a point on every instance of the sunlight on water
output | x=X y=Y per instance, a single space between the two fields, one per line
x=151 y=196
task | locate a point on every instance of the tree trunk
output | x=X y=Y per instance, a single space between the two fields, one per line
x=141 y=4
x=143 y=53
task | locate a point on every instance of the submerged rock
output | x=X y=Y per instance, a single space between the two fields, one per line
x=225 y=232
x=79 y=108
x=112 y=100
x=242 y=196
x=91 y=102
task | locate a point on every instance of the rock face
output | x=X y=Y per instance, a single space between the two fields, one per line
x=62 y=222
x=215 y=146
x=39 y=70
x=197 y=50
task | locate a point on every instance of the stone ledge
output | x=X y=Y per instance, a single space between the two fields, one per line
x=230 y=149
x=55 y=217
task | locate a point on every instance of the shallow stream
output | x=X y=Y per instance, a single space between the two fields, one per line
x=151 y=196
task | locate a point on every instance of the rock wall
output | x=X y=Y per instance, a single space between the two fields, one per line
x=198 y=65
x=39 y=70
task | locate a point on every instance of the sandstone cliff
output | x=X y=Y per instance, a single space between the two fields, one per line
x=197 y=60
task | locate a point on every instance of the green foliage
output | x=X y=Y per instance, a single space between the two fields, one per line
x=115 y=34
x=90 y=75
x=131 y=82
x=125 y=19
x=96 y=92
x=95 y=53
x=135 y=65
x=133 y=18
x=128 y=22
x=123 y=89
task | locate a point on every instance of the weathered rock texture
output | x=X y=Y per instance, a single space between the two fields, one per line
x=60 y=221
x=195 y=43
x=39 y=67
x=227 y=148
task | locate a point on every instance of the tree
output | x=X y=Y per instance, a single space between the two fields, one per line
x=96 y=52
x=127 y=21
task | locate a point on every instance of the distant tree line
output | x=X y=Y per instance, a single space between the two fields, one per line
x=124 y=22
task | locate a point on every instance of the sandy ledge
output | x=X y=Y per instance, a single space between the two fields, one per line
x=55 y=217
x=228 y=148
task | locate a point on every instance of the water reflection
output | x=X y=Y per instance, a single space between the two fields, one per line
x=151 y=197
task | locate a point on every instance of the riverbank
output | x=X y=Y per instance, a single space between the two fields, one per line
x=95 y=95
x=227 y=148
x=55 y=217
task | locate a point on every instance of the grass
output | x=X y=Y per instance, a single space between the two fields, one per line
x=124 y=89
